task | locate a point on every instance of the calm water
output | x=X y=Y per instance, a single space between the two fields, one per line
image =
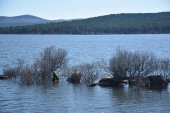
x=68 y=98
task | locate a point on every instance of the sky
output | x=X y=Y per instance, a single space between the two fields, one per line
x=71 y=9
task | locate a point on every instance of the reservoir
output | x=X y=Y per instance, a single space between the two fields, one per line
x=80 y=98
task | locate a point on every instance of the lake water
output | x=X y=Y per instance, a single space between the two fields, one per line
x=68 y=98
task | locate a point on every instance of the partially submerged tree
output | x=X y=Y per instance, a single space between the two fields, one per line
x=141 y=64
x=89 y=72
x=163 y=67
x=119 y=64
x=125 y=64
x=140 y=68
x=86 y=73
x=50 y=60
x=9 y=72
x=42 y=69
x=27 y=75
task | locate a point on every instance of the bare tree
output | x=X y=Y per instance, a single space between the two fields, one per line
x=141 y=64
x=9 y=72
x=163 y=67
x=119 y=64
x=50 y=60
x=125 y=63
x=87 y=73
x=27 y=75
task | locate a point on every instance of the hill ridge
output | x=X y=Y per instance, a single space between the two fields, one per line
x=126 y=23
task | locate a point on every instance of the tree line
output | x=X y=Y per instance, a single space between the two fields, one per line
x=145 y=23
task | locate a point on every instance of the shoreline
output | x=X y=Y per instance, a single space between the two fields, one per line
x=94 y=34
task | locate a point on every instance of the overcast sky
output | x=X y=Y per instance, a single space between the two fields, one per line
x=69 y=9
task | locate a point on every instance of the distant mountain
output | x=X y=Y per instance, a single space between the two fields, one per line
x=131 y=23
x=23 y=20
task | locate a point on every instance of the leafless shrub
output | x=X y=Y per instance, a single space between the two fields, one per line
x=125 y=63
x=10 y=72
x=27 y=75
x=163 y=67
x=141 y=64
x=50 y=60
x=120 y=63
x=88 y=72
x=14 y=72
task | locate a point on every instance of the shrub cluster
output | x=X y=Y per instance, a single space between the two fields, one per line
x=129 y=64
x=41 y=70
x=86 y=73
x=121 y=65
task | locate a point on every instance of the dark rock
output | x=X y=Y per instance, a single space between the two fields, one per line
x=2 y=77
x=157 y=82
x=74 y=78
x=168 y=80
x=92 y=84
x=139 y=81
x=109 y=82
x=152 y=82
x=55 y=77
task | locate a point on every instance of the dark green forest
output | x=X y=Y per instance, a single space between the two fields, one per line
x=131 y=23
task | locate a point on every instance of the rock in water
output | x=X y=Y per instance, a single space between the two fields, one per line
x=109 y=82
x=2 y=77
x=92 y=84
x=74 y=78
x=55 y=77
x=157 y=82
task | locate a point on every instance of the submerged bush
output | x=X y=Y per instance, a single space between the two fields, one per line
x=89 y=72
x=125 y=63
x=9 y=72
x=141 y=69
x=50 y=60
x=74 y=78
x=163 y=67
x=27 y=75
x=86 y=73
x=119 y=63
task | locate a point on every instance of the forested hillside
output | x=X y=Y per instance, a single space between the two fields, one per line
x=23 y=20
x=109 y=24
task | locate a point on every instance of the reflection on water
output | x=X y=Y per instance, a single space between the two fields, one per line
x=69 y=98
x=142 y=100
